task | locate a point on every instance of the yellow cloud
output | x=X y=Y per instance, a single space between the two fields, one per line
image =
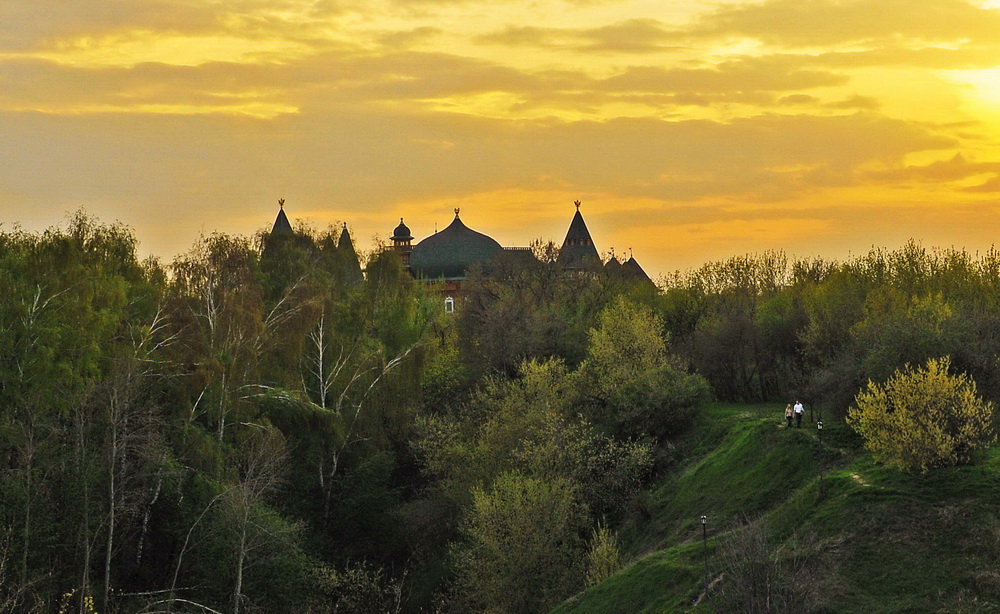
x=255 y=109
x=690 y=130
x=141 y=47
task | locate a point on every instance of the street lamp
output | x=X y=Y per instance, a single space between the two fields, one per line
x=819 y=435
x=704 y=552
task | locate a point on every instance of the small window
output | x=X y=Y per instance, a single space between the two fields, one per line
x=449 y=305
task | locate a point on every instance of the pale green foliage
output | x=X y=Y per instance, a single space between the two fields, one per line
x=357 y=588
x=522 y=545
x=608 y=471
x=634 y=386
x=500 y=421
x=528 y=472
x=529 y=425
x=604 y=559
x=923 y=418
x=898 y=329
x=626 y=340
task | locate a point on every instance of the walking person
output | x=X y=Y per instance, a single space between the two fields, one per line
x=788 y=415
x=799 y=410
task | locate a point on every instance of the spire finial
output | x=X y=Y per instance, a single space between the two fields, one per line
x=456 y=211
x=577 y=203
x=345 y=226
x=281 y=203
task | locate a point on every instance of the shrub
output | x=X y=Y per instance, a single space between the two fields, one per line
x=923 y=418
x=522 y=548
x=759 y=576
x=604 y=559
x=634 y=387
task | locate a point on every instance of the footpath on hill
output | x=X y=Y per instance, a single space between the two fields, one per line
x=875 y=541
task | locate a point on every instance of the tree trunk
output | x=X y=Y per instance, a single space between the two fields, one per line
x=240 y=561
x=222 y=408
x=85 y=525
x=29 y=461
x=112 y=495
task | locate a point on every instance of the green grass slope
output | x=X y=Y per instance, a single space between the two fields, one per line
x=876 y=541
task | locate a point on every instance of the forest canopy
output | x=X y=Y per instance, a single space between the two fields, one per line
x=261 y=426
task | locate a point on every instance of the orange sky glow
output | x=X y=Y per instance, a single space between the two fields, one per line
x=692 y=131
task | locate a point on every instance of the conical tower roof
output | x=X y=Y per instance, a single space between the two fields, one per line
x=344 y=242
x=578 y=251
x=613 y=265
x=281 y=224
x=633 y=270
x=345 y=247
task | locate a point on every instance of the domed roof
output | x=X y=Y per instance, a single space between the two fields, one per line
x=450 y=252
x=401 y=233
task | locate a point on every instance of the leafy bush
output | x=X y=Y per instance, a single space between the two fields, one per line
x=633 y=386
x=357 y=588
x=923 y=418
x=522 y=547
x=604 y=559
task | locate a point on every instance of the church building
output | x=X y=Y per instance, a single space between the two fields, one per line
x=447 y=255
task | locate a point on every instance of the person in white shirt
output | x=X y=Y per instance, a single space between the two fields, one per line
x=799 y=410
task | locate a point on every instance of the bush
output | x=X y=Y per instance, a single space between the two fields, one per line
x=634 y=387
x=522 y=548
x=760 y=577
x=604 y=559
x=923 y=418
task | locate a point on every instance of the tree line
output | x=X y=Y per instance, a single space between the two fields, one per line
x=762 y=328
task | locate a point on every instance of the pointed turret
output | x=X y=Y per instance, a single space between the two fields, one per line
x=613 y=266
x=345 y=247
x=632 y=269
x=281 y=224
x=578 y=251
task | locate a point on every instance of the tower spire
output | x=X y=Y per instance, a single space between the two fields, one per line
x=578 y=251
x=281 y=223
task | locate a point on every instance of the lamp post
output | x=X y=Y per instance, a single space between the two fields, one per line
x=819 y=435
x=704 y=552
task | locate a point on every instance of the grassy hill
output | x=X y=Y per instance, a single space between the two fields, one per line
x=876 y=541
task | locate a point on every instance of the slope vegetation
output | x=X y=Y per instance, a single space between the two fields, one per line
x=874 y=540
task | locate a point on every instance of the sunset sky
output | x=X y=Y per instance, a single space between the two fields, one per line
x=692 y=131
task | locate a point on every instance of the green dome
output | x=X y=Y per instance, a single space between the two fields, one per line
x=450 y=252
x=402 y=232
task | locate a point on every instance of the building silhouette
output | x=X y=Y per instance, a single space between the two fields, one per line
x=448 y=255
